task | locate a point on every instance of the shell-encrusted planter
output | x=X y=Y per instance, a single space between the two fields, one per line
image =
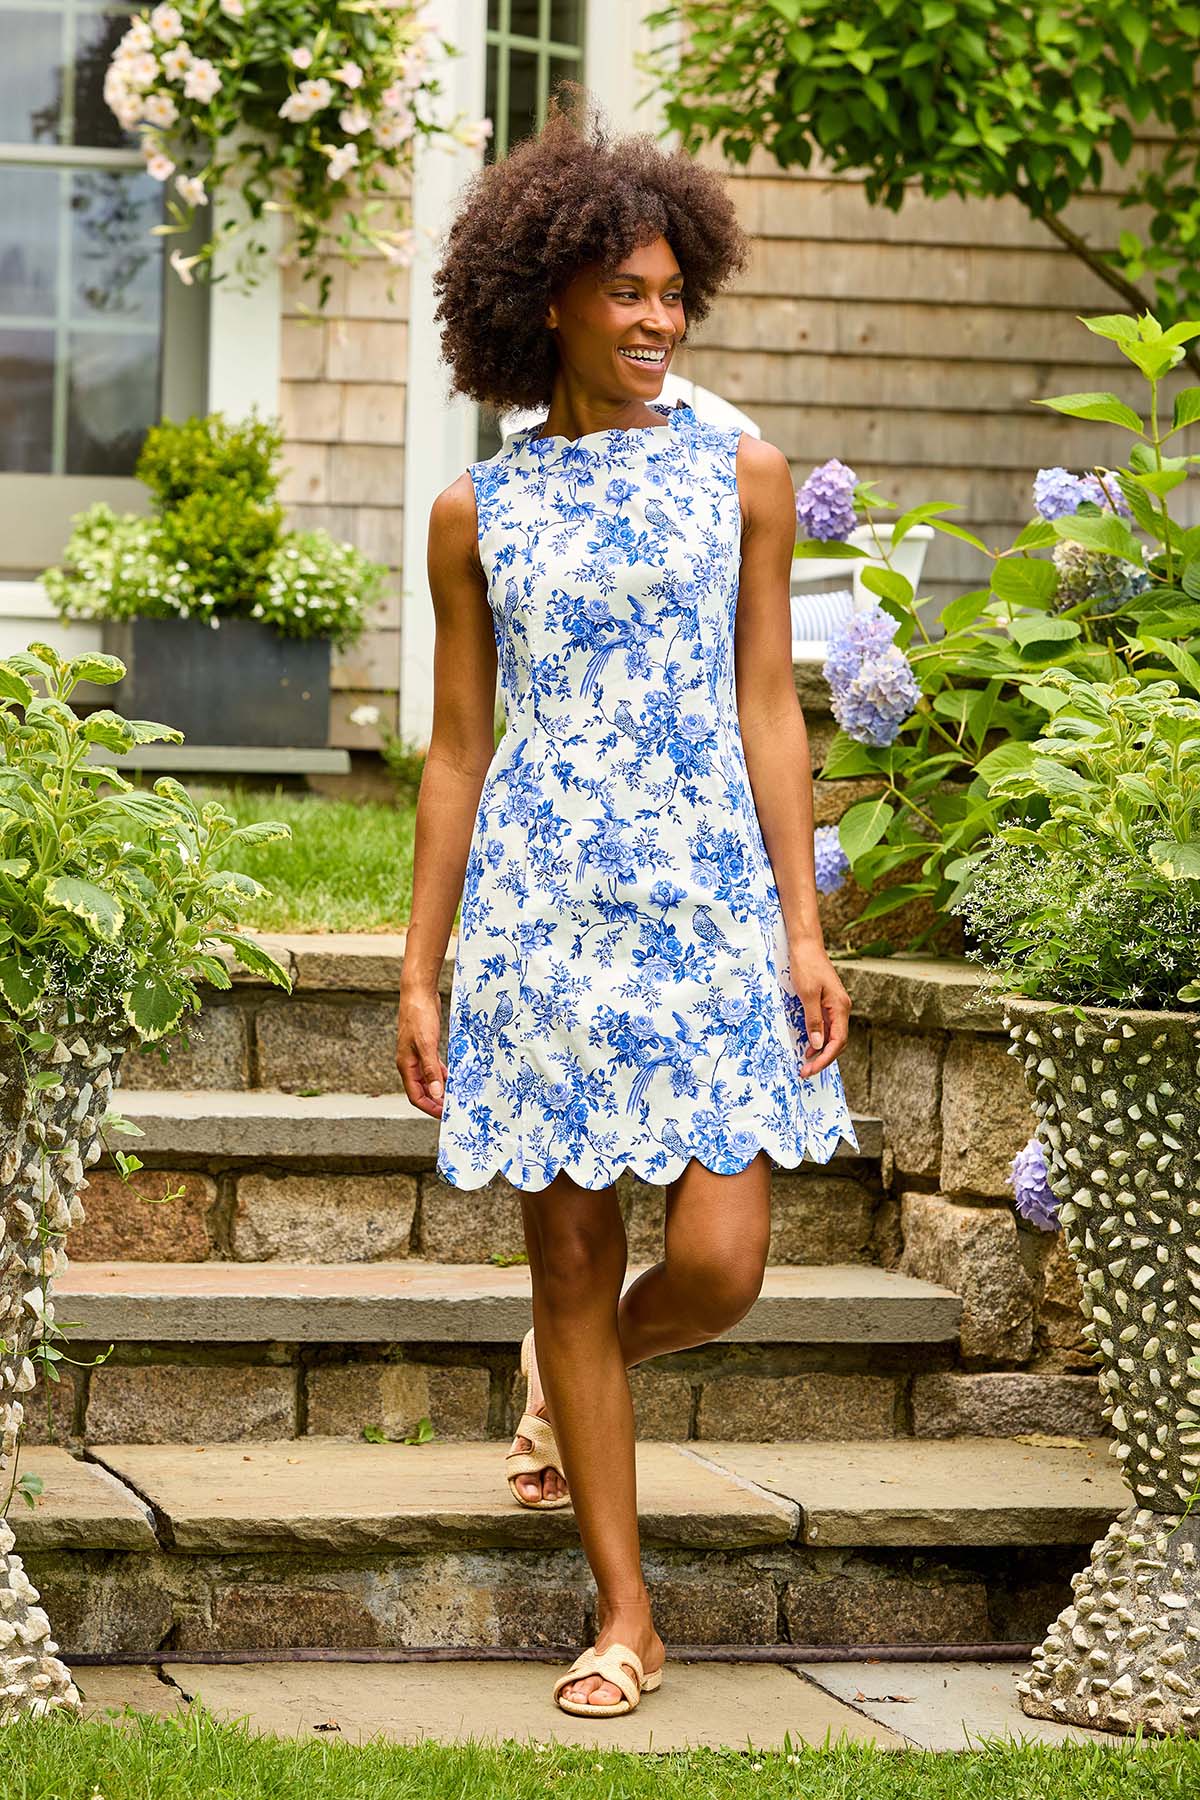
x=1118 y=1094
x=46 y=1138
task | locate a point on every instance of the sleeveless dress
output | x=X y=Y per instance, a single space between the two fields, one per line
x=622 y=996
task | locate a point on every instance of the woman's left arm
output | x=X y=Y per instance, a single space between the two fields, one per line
x=776 y=741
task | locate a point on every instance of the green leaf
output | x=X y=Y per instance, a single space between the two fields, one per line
x=848 y=757
x=863 y=826
x=109 y=729
x=1021 y=581
x=1005 y=759
x=889 y=584
x=14 y=686
x=1187 y=408
x=100 y=910
x=16 y=866
x=1181 y=660
x=965 y=610
x=263 y=831
x=1039 y=534
x=1101 y=531
x=1037 y=629
x=253 y=957
x=1049 y=699
x=22 y=981
x=153 y=1006
x=1178 y=862
x=96 y=667
x=1104 y=407
x=1120 y=327
x=889 y=899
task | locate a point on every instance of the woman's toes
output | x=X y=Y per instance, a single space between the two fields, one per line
x=529 y=1487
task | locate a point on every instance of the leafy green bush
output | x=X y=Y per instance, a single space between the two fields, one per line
x=216 y=546
x=111 y=898
x=1129 y=607
x=1100 y=900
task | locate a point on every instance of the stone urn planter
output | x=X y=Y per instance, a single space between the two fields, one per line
x=48 y=1132
x=1118 y=1095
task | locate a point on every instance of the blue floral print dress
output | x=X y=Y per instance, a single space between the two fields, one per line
x=622 y=996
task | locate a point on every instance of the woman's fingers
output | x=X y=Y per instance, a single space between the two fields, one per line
x=814 y=1026
x=826 y=1044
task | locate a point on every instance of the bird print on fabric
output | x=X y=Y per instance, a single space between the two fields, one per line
x=622 y=993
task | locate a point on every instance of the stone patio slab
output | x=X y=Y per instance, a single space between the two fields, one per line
x=945 y=1706
x=968 y=1491
x=106 y=1691
x=331 y=1495
x=81 y=1507
x=699 y=1705
x=410 y=1301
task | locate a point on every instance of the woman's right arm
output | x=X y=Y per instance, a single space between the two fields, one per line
x=461 y=745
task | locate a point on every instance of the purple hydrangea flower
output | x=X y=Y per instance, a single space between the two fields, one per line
x=825 y=501
x=865 y=634
x=872 y=708
x=1057 y=493
x=1031 y=1190
x=832 y=863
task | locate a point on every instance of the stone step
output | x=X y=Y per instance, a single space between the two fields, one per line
x=429 y=1303
x=327 y=1129
x=325 y=1542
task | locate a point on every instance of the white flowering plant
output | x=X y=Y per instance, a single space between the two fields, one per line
x=311 y=108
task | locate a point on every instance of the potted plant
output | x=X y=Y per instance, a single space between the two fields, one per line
x=1089 y=918
x=224 y=620
x=113 y=905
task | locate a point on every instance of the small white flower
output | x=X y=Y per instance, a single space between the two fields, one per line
x=159 y=167
x=160 y=109
x=192 y=189
x=141 y=71
x=300 y=57
x=397 y=247
x=342 y=160
x=128 y=111
x=166 y=24
x=183 y=266
x=233 y=9
x=365 y=716
x=201 y=81
x=473 y=133
x=349 y=74
x=175 y=61
x=354 y=119
x=138 y=37
x=310 y=97
x=393 y=130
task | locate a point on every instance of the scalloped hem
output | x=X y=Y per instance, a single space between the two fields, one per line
x=656 y=1177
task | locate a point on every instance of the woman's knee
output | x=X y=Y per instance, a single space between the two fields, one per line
x=721 y=1289
x=579 y=1269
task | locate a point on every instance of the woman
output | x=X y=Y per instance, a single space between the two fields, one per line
x=640 y=979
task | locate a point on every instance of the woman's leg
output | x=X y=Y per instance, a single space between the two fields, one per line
x=577 y=1260
x=718 y=1231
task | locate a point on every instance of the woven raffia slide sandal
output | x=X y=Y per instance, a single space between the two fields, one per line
x=618 y=1664
x=543 y=1453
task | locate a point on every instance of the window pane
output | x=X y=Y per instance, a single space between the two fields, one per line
x=116 y=266
x=522 y=95
x=523 y=17
x=566 y=21
x=26 y=401
x=561 y=66
x=493 y=15
x=29 y=200
x=112 y=400
x=96 y=37
x=30 y=76
x=495 y=145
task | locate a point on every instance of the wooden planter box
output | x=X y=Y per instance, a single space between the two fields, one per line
x=240 y=684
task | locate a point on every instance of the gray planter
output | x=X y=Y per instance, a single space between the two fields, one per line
x=42 y=1155
x=240 y=684
x=1119 y=1099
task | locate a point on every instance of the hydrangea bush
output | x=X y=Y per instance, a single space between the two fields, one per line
x=310 y=107
x=215 y=546
x=943 y=719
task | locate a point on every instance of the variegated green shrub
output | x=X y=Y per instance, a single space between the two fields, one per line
x=113 y=899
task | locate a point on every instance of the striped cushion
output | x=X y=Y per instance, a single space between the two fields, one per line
x=815 y=616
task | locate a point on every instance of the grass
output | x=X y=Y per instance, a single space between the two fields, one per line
x=194 y=1758
x=348 y=866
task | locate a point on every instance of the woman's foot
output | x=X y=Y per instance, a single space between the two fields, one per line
x=549 y=1484
x=633 y=1629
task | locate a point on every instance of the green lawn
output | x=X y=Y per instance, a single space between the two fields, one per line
x=195 y=1759
x=348 y=866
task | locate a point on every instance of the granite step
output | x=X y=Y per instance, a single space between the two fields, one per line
x=430 y=1303
x=265 y=1545
x=330 y=1130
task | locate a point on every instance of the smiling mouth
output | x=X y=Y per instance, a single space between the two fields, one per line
x=644 y=356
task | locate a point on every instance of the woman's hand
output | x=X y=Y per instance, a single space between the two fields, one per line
x=825 y=1001
x=418 y=1029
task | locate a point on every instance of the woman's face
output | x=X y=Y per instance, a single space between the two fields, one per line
x=616 y=333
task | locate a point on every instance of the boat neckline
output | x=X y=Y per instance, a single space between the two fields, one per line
x=528 y=437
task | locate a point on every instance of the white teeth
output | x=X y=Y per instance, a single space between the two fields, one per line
x=648 y=356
